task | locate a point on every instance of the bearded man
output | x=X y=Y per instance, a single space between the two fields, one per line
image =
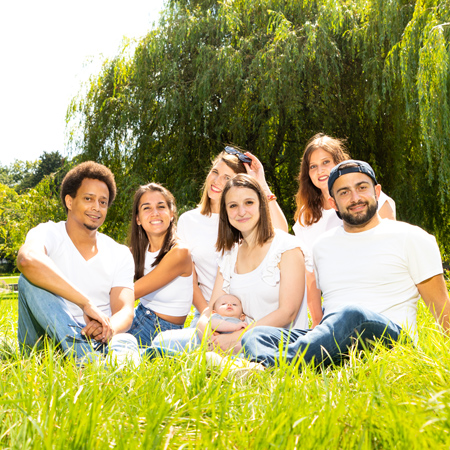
x=371 y=272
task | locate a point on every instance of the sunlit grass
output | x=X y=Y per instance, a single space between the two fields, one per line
x=387 y=399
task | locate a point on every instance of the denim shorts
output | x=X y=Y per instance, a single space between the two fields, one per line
x=146 y=325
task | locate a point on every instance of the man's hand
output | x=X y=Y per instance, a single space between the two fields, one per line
x=93 y=314
x=94 y=330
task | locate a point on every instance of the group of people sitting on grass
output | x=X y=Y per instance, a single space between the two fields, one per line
x=232 y=258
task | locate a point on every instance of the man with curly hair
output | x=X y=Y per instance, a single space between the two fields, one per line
x=77 y=284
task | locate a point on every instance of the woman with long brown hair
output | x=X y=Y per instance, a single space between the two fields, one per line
x=198 y=228
x=262 y=266
x=163 y=265
x=314 y=214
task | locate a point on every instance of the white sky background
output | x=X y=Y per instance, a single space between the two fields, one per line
x=49 y=48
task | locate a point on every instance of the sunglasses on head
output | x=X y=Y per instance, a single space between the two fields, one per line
x=240 y=155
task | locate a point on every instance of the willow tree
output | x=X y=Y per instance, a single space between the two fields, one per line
x=267 y=75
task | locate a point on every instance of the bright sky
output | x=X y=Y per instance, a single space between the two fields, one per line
x=48 y=48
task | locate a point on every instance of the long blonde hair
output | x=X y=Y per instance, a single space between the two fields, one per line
x=234 y=163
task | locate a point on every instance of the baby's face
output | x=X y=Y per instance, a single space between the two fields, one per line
x=229 y=306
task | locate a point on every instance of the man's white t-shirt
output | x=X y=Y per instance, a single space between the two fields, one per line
x=199 y=232
x=377 y=269
x=310 y=233
x=112 y=266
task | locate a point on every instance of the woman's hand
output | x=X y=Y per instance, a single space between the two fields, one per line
x=256 y=170
x=226 y=342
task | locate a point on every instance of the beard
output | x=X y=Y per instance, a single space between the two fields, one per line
x=91 y=227
x=362 y=218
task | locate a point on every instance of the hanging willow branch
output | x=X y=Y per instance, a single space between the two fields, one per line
x=267 y=75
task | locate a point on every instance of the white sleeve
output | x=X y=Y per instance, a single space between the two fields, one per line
x=181 y=229
x=423 y=256
x=124 y=274
x=43 y=233
x=306 y=249
x=385 y=198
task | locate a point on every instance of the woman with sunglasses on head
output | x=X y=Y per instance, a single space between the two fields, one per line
x=198 y=229
x=314 y=215
x=163 y=266
x=262 y=266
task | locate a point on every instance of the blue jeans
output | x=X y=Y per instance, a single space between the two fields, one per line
x=327 y=343
x=146 y=325
x=170 y=342
x=44 y=313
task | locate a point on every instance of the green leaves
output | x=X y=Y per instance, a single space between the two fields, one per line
x=267 y=75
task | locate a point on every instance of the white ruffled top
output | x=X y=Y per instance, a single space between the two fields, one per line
x=259 y=289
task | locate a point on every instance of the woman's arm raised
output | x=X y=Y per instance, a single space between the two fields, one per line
x=256 y=170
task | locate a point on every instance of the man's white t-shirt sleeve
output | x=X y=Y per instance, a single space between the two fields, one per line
x=42 y=234
x=422 y=252
x=124 y=275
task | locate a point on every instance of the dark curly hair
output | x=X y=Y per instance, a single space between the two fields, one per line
x=89 y=169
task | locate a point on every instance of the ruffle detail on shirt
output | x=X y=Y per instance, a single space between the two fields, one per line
x=226 y=266
x=271 y=273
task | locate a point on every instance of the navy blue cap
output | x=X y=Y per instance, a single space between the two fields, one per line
x=355 y=166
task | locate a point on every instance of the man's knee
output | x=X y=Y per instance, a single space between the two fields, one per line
x=353 y=314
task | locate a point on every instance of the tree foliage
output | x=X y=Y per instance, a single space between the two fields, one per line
x=20 y=213
x=267 y=75
x=23 y=175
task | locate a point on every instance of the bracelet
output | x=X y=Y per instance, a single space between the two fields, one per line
x=271 y=197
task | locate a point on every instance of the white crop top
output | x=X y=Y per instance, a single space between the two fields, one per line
x=173 y=299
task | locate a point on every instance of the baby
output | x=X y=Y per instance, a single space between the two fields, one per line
x=227 y=315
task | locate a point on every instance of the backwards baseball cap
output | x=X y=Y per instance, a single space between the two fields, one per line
x=350 y=166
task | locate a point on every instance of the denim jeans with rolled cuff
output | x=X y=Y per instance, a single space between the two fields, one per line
x=327 y=343
x=43 y=313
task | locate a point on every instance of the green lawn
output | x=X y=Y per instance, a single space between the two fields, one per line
x=9 y=278
x=398 y=399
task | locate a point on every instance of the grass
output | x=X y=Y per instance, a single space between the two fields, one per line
x=386 y=399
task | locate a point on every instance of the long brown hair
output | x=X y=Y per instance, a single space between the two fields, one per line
x=234 y=163
x=229 y=235
x=138 y=238
x=309 y=198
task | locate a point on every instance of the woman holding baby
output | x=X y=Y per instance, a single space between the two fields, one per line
x=263 y=267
